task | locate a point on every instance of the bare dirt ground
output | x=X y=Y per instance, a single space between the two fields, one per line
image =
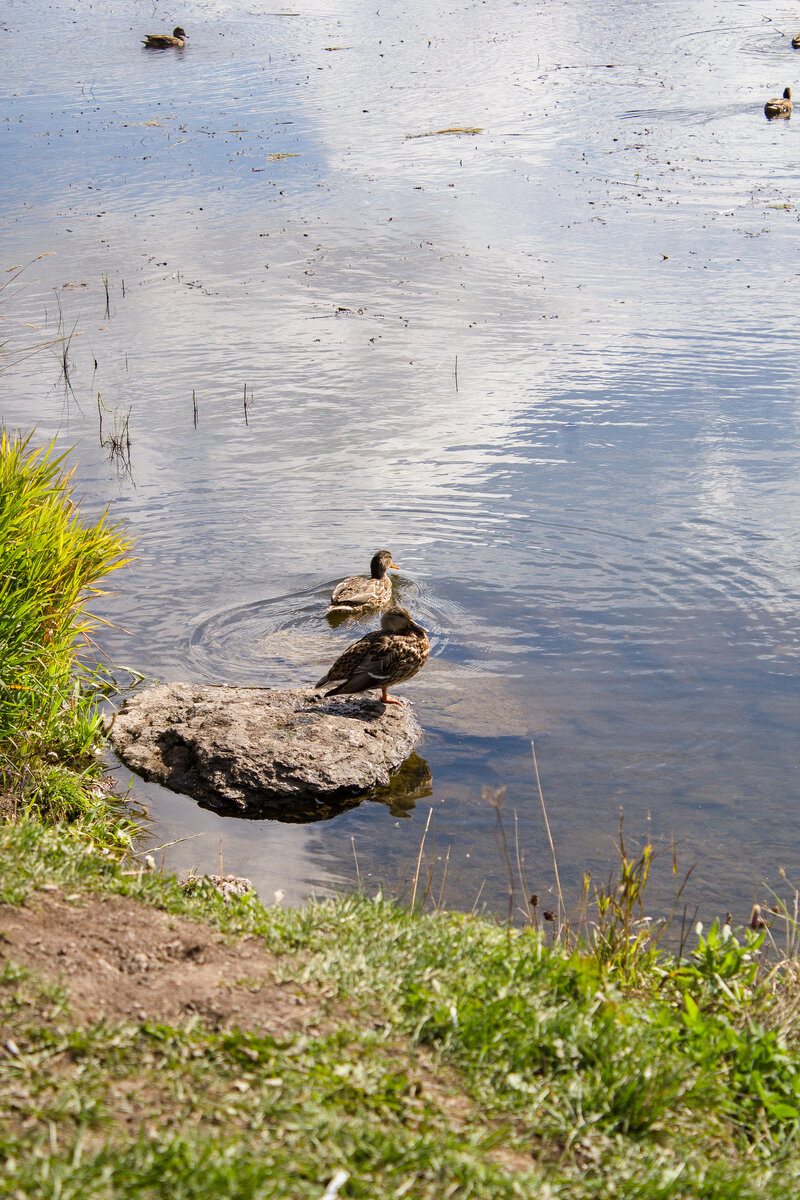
x=121 y=959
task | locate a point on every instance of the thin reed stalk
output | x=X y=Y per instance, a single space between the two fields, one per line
x=444 y=880
x=550 y=840
x=419 y=858
x=520 y=873
x=355 y=857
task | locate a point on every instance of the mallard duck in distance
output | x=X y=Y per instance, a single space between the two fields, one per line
x=162 y=41
x=358 y=591
x=391 y=655
x=796 y=41
x=779 y=106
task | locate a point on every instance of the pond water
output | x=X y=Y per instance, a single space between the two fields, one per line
x=551 y=364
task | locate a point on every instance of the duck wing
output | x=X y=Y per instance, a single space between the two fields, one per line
x=353 y=590
x=357 y=589
x=372 y=662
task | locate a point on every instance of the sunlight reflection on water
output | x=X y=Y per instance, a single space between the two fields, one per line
x=545 y=363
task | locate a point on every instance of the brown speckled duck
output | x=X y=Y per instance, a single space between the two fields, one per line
x=358 y=591
x=391 y=655
x=779 y=106
x=162 y=41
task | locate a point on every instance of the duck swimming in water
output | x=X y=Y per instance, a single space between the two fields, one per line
x=779 y=106
x=391 y=655
x=162 y=41
x=359 y=591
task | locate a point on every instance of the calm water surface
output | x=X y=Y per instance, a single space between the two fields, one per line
x=552 y=365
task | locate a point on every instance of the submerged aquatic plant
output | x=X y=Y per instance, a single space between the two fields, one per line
x=116 y=439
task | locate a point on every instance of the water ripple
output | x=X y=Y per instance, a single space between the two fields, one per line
x=288 y=640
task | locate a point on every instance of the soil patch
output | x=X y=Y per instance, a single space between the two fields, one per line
x=119 y=959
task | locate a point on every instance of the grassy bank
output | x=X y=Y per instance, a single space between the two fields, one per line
x=51 y=564
x=352 y=1047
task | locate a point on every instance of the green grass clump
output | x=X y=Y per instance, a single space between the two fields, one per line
x=51 y=563
x=227 y=1114
x=547 y=1072
x=445 y=1055
x=686 y=1078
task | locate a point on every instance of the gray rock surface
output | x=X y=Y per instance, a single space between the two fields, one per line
x=293 y=754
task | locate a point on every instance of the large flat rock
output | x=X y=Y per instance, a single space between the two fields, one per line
x=263 y=751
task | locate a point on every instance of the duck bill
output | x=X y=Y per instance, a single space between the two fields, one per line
x=415 y=628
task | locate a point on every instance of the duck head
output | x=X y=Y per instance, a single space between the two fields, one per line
x=398 y=620
x=381 y=563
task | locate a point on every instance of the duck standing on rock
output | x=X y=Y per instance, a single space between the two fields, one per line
x=779 y=106
x=391 y=655
x=358 y=591
x=162 y=41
